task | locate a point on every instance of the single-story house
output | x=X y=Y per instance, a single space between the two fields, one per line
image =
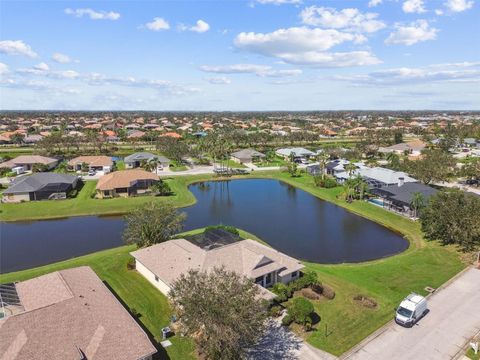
x=399 y=197
x=68 y=314
x=376 y=176
x=247 y=156
x=298 y=153
x=163 y=263
x=98 y=163
x=338 y=166
x=125 y=183
x=27 y=162
x=413 y=148
x=32 y=139
x=135 y=160
x=40 y=186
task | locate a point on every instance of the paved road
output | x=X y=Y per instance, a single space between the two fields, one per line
x=454 y=317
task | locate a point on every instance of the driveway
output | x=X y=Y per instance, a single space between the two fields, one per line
x=454 y=318
x=279 y=343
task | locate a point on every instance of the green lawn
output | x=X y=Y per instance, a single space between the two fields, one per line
x=386 y=281
x=471 y=355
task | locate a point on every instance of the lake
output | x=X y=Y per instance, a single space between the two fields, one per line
x=289 y=219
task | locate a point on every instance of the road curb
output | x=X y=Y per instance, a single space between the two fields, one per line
x=391 y=323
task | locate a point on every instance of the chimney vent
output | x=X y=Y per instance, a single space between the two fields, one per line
x=401 y=181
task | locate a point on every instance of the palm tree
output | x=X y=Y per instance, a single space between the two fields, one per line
x=393 y=161
x=350 y=169
x=322 y=161
x=417 y=203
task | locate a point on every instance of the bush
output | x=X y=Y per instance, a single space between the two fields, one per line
x=308 y=279
x=324 y=181
x=131 y=264
x=282 y=291
x=275 y=311
x=287 y=320
x=301 y=309
x=73 y=193
x=310 y=294
x=328 y=292
x=231 y=229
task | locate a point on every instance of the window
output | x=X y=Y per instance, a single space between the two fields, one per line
x=294 y=274
x=156 y=278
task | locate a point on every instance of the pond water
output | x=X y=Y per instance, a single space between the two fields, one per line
x=289 y=219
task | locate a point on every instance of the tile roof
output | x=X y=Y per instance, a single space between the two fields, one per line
x=124 y=179
x=67 y=313
x=170 y=259
x=28 y=159
x=99 y=160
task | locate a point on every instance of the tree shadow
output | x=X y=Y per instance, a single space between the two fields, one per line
x=278 y=342
x=161 y=352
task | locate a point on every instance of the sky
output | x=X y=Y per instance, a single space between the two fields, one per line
x=252 y=55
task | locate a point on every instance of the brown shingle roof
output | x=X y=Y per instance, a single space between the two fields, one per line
x=28 y=159
x=100 y=160
x=82 y=315
x=124 y=179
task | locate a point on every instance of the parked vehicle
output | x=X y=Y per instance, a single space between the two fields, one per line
x=91 y=172
x=411 y=309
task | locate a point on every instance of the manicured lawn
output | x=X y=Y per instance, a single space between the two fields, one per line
x=231 y=164
x=471 y=354
x=387 y=281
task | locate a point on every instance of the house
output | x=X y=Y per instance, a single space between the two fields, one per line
x=27 y=162
x=32 y=139
x=68 y=314
x=163 y=263
x=413 y=148
x=338 y=166
x=125 y=183
x=399 y=197
x=135 y=160
x=298 y=153
x=376 y=176
x=247 y=156
x=99 y=163
x=40 y=186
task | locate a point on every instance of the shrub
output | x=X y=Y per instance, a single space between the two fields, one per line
x=328 y=292
x=282 y=291
x=308 y=279
x=287 y=320
x=301 y=309
x=275 y=311
x=131 y=264
x=325 y=181
x=310 y=294
x=73 y=193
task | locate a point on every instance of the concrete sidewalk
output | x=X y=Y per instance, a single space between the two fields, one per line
x=453 y=318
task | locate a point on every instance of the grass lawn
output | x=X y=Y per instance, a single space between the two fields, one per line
x=276 y=161
x=120 y=164
x=231 y=164
x=471 y=355
x=387 y=281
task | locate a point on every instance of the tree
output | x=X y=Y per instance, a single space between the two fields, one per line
x=39 y=168
x=350 y=169
x=161 y=188
x=221 y=310
x=452 y=217
x=300 y=310
x=434 y=166
x=174 y=149
x=471 y=169
x=393 y=161
x=398 y=137
x=152 y=224
x=417 y=203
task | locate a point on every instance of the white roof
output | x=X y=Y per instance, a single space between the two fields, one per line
x=297 y=151
x=380 y=174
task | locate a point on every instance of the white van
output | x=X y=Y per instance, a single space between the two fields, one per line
x=411 y=309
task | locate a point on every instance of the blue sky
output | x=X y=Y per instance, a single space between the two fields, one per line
x=240 y=55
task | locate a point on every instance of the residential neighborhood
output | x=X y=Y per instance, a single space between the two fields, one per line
x=239 y=180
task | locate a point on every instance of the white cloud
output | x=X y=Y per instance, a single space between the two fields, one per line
x=3 y=68
x=259 y=70
x=278 y=2
x=92 y=14
x=414 y=6
x=16 y=47
x=438 y=12
x=41 y=67
x=219 y=80
x=451 y=72
x=158 y=24
x=200 y=27
x=459 y=5
x=413 y=33
x=347 y=19
x=61 y=58
x=301 y=45
x=374 y=3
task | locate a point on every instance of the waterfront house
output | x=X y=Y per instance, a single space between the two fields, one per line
x=163 y=263
x=40 y=186
x=99 y=163
x=125 y=183
x=68 y=314
x=399 y=197
x=136 y=160
x=28 y=161
x=375 y=176
x=247 y=156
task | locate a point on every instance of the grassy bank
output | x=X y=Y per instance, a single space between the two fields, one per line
x=343 y=321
